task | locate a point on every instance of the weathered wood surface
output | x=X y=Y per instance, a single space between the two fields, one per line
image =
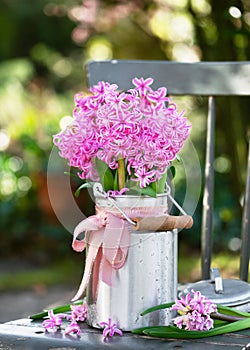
x=28 y=335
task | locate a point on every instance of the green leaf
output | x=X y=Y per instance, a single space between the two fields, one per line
x=175 y=332
x=172 y=171
x=71 y=174
x=106 y=175
x=219 y=322
x=157 y=307
x=162 y=329
x=153 y=186
x=161 y=183
x=56 y=310
x=231 y=311
x=146 y=191
x=140 y=330
x=85 y=185
x=116 y=187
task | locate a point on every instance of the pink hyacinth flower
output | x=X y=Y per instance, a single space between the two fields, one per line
x=78 y=312
x=194 y=310
x=73 y=328
x=53 y=322
x=110 y=329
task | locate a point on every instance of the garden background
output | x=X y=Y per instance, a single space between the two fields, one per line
x=44 y=46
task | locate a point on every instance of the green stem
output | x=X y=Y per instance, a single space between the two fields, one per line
x=224 y=317
x=176 y=333
x=121 y=173
x=56 y=310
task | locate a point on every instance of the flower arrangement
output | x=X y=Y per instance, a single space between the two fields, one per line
x=125 y=140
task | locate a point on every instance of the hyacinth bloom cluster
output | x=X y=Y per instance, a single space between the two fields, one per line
x=139 y=130
x=195 y=312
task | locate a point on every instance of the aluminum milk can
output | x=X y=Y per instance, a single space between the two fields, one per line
x=148 y=277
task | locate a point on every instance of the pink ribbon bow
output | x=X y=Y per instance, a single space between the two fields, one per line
x=107 y=243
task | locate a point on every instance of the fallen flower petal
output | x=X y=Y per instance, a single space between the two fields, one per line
x=53 y=322
x=110 y=329
x=73 y=328
x=79 y=312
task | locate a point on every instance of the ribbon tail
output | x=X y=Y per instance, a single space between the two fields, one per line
x=95 y=274
x=87 y=272
x=122 y=252
x=92 y=223
x=106 y=272
x=95 y=242
x=115 y=247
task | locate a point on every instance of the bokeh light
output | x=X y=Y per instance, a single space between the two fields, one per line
x=4 y=140
x=99 y=49
x=222 y=164
x=234 y=12
x=15 y=163
x=8 y=183
x=24 y=184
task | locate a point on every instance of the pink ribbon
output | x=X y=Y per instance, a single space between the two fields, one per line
x=107 y=240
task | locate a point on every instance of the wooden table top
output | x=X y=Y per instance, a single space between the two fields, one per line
x=26 y=334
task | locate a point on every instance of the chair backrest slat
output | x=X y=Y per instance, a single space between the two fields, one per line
x=201 y=78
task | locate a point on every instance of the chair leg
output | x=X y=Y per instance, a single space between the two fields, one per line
x=207 y=217
x=245 y=233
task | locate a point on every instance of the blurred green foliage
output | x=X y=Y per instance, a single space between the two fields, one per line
x=44 y=46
